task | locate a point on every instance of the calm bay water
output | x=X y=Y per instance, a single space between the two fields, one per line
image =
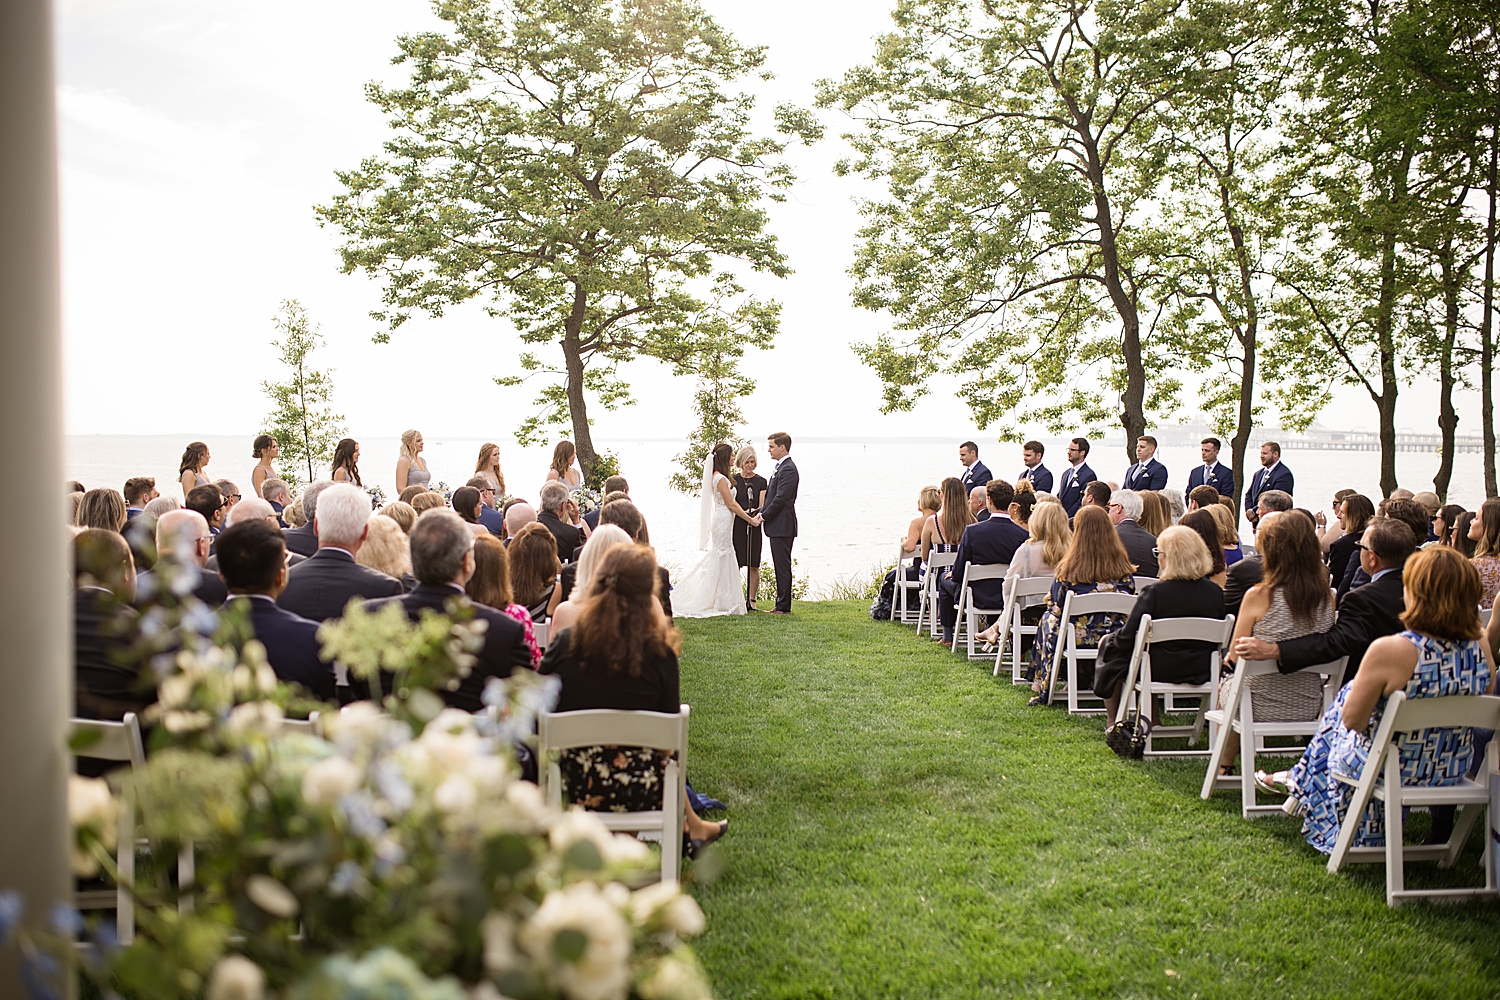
x=856 y=500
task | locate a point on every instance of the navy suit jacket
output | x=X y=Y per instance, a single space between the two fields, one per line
x=1070 y=491
x=780 y=509
x=1222 y=479
x=1138 y=544
x=988 y=542
x=1152 y=477
x=492 y=519
x=291 y=643
x=976 y=475
x=1041 y=478
x=319 y=588
x=1278 y=479
x=301 y=540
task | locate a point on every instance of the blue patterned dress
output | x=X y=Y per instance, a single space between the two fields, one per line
x=1088 y=629
x=1429 y=757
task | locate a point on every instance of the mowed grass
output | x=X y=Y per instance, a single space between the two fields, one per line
x=902 y=825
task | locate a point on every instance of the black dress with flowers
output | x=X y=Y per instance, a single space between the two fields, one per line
x=612 y=778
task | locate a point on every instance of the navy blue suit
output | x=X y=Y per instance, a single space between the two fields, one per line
x=492 y=519
x=1070 y=490
x=779 y=517
x=1279 y=478
x=1041 y=478
x=291 y=643
x=1222 y=479
x=976 y=475
x=984 y=543
x=1150 y=475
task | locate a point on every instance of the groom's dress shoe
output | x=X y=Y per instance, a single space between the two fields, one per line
x=778 y=612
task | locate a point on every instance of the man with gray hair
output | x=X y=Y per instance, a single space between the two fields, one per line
x=182 y=545
x=1277 y=500
x=303 y=540
x=978 y=504
x=322 y=586
x=555 y=515
x=1140 y=544
x=278 y=494
x=442 y=560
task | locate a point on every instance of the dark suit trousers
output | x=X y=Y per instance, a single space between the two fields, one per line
x=781 y=558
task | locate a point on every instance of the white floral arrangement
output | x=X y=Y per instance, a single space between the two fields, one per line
x=585 y=498
x=377 y=496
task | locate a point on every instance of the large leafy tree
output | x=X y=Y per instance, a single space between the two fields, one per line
x=580 y=167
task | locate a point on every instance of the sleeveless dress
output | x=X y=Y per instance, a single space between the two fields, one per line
x=713 y=586
x=747 y=537
x=1284 y=697
x=416 y=476
x=1430 y=757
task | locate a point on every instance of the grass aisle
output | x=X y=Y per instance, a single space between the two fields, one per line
x=904 y=826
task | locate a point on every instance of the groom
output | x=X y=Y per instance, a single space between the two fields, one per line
x=779 y=516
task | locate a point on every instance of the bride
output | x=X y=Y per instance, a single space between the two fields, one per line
x=713 y=586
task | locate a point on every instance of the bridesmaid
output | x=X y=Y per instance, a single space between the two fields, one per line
x=488 y=466
x=411 y=468
x=346 y=462
x=749 y=493
x=266 y=448
x=562 y=470
x=190 y=471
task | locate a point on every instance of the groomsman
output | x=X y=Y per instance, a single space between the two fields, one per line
x=1147 y=473
x=1211 y=473
x=1272 y=475
x=974 y=474
x=1040 y=476
x=1076 y=476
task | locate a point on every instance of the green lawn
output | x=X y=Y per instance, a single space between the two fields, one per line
x=902 y=825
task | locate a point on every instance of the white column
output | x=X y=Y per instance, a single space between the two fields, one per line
x=36 y=681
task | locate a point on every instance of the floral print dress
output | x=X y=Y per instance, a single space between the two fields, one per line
x=1428 y=757
x=523 y=616
x=1088 y=629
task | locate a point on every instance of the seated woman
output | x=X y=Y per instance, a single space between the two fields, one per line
x=1439 y=654
x=621 y=653
x=1331 y=531
x=1354 y=514
x=1485 y=532
x=1024 y=503
x=1156 y=515
x=941 y=531
x=466 y=504
x=1290 y=601
x=1229 y=533
x=604 y=538
x=1207 y=528
x=1442 y=525
x=1038 y=556
x=388 y=550
x=929 y=502
x=490 y=586
x=1184 y=590
x=1096 y=563
x=533 y=568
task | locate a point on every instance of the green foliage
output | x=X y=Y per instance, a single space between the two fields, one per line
x=301 y=420
x=583 y=171
x=720 y=386
x=801 y=585
x=606 y=464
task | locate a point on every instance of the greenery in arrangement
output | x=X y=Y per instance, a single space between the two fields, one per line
x=904 y=826
x=301 y=420
x=582 y=169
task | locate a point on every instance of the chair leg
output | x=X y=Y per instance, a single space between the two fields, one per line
x=125 y=873
x=1395 y=871
x=1462 y=827
x=1247 y=772
x=672 y=820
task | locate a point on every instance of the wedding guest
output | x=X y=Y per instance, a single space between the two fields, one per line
x=490 y=586
x=554 y=496
x=533 y=568
x=1035 y=472
x=517 y=516
x=278 y=494
x=1096 y=563
x=404 y=514
x=1291 y=601
x=1211 y=473
x=1048 y=537
x=1431 y=503
x=411 y=493
x=1021 y=507
x=208 y=501
x=1247 y=572
x=411 y=467
x=321 y=587
x=1409 y=513
x=190 y=469
x=101 y=509
x=1185 y=590
x=488 y=467
x=1331 y=531
x=974 y=472
x=302 y=538
x=427 y=500
x=1076 y=477
x=182 y=548
x=1462 y=541
x=621 y=653
x=993 y=543
x=1125 y=511
x=1442 y=525
x=1156 y=516
x=73 y=486
x=1096 y=494
x=159 y=506
x=252 y=563
x=561 y=470
x=488 y=516
x=72 y=504
x=977 y=505
x=229 y=491
x=442 y=556
x=346 y=462
x=614 y=487
x=1272 y=475
x=1147 y=473
x=295 y=518
x=1202 y=498
x=265 y=450
x=139 y=491
x=1229 y=533
x=467 y=505
x=386 y=550
x=929 y=502
x=943 y=530
x=750 y=493
x=1485 y=532
x=1354 y=513
x=253 y=509
x=575 y=577
x=1207 y=528
x=1176 y=504
x=106 y=684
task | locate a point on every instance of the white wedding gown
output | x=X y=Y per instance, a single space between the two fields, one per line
x=713 y=586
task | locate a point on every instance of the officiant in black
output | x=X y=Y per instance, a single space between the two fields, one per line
x=749 y=493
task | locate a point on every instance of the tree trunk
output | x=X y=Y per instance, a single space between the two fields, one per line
x=1385 y=326
x=1247 y=337
x=1487 y=331
x=573 y=356
x=1447 y=416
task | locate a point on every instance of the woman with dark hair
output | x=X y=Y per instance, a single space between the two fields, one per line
x=266 y=449
x=466 y=503
x=1355 y=512
x=1204 y=524
x=1024 y=503
x=1463 y=541
x=712 y=587
x=490 y=586
x=533 y=568
x=561 y=470
x=101 y=509
x=621 y=654
x=943 y=530
x=488 y=466
x=346 y=462
x=1485 y=533
x=1331 y=531
x=1442 y=525
x=1439 y=654
x=190 y=469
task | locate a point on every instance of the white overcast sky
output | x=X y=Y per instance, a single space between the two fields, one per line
x=196 y=135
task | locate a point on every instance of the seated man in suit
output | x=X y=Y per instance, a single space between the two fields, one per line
x=1147 y=473
x=488 y=515
x=1039 y=474
x=442 y=560
x=1202 y=497
x=252 y=509
x=1076 y=477
x=1125 y=512
x=182 y=544
x=553 y=516
x=208 y=501
x=978 y=504
x=106 y=684
x=139 y=491
x=321 y=587
x=614 y=484
x=252 y=562
x=1097 y=494
x=1211 y=473
x=304 y=540
x=974 y=474
x=1272 y=475
x=990 y=542
x=1407 y=512
x=279 y=495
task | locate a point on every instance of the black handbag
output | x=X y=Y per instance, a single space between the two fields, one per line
x=1128 y=736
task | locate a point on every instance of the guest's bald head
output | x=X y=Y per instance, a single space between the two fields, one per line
x=518 y=516
x=183 y=534
x=976 y=500
x=250 y=509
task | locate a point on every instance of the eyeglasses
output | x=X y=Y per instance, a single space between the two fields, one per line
x=1114 y=505
x=1155 y=551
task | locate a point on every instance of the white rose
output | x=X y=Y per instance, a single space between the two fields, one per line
x=456 y=796
x=235 y=977
x=329 y=780
x=174 y=691
x=624 y=849
x=675 y=979
x=356 y=727
x=271 y=896
x=263 y=716
x=499 y=933
x=578 y=824
x=665 y=905
x=525 y=806
x=602 y=971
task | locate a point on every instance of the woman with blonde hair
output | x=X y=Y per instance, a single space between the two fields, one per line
x=101 y=509
x=190 y=470
x=749 y=492
x=488 y=466
x=1156 y=513
x=561 y=470
x=533 y=568
x=265 y=449
x=1038 y=556
x=292 y=514
x=1229 y=534
x=929 y=502
x=604 y=538
x=411 y=467
x=402 y=513
x=427 y=500
x=386 y=549
x=490 y=585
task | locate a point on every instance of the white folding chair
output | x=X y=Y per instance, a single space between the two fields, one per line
x=310 y=726
x=1142 y=582
x=116 y=741
x=558 y=731
x=1141 y=688
x=905 y=588
x=542 y=630
x=1011 y=630
x=1067 y=648
x=1237 y=714
x=1484 y=616
x=1383 y=762
x=968 y=611
x=927 y=609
